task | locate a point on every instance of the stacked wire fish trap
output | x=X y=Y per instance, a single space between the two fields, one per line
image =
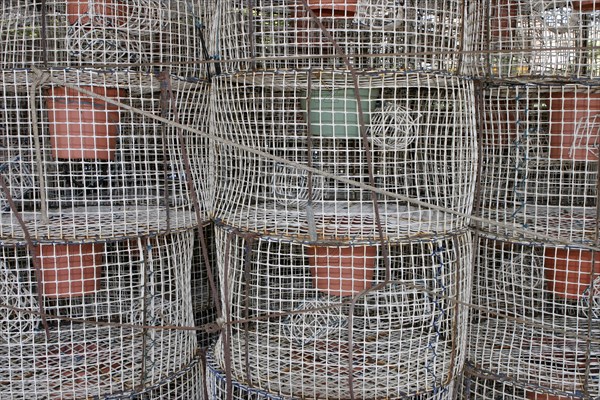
x=534 y=326
x=98 y=212
x=345 y=164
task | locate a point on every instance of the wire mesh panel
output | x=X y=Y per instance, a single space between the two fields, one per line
x=410 y=35
x=540 y=160
x=185 y=385
x=217 y=383
x=132 y=34
x=418 y=143
x=104 y=305
x=536 y=323
x=333 y=321
x=533 y=38
x=76 y=166
x=479 y=388
x=509 y=277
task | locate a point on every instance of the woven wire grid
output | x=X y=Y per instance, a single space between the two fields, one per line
x=78 y=167
x=478 y=388
x=486 y=387
x=533 y=38
x=188 y=384
x=132 y=34
x=390 y=35
x=217 y=388
x=535 y=325
x=138 y=84
x=402 y=338
x=539 y=153
x=509 y=277
x=97 y=298
x=420 y=131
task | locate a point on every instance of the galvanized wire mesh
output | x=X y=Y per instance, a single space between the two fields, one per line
x=539 y=169
x=411 y=35
x=536 y=325
x=77 y=166
x=533 y=331
x=127 y=35
x=533 y=38
x=104 y=304
x=188 y=384
x=326 y=321
x=328 y=92
x=217 y=383
x=418 y=143
x=480 y=388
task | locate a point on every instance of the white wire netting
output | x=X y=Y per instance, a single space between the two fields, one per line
x=217 y=383
x=118 y=34
x=535 y=321
x=408 y=35
x=534 y=326
x=331 y=321
x=105 y=306
x=77 y=166
x=418 y=143
x=188 y=384
x=313 y=94
x=539 y=153
x=533 y=39
x=480 y=388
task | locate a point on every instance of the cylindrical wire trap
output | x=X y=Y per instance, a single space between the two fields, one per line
x=537 y=40
x=79 y=167
x=129 y=35
x=112 y=311
x=411 y=135
x=323 y=320
x=380 y=35
x=535 y=321
x=217 y=383
x=539 y=168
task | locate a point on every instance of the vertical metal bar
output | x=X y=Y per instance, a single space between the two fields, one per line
x=165 y=107
x=33 y=251
x=40 y=164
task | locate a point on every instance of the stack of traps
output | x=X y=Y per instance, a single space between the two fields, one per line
x=99 y=212
x=315 y=304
